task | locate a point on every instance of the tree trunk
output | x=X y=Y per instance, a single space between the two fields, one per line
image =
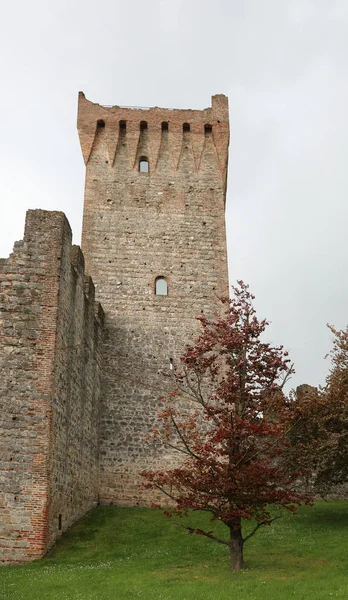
x=236 y=547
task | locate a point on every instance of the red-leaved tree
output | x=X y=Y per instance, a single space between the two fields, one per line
x=228 y=419
x=319 y=437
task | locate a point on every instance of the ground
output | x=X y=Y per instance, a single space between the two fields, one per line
x=131 y=553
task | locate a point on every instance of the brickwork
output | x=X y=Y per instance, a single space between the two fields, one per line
x=79 y=392
x=137 y=226
x=50 y=332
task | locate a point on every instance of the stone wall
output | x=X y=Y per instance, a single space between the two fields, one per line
x=168 y=222
x=50 y=337
x=62 y=442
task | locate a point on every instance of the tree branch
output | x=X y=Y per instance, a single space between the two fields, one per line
x=286 y=376
x=201 y=532
x=177 y=448
x=164 y=491
x=258 y=527
x=195 y=393
x=182 y=438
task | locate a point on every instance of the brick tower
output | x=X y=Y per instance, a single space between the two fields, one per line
x=154 y=243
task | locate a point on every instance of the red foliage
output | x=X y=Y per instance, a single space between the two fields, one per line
x=319 y=438
x=228 y=418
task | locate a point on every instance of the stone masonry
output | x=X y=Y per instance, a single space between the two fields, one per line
x=167 y=222
x=50 y=331
x=80 y=391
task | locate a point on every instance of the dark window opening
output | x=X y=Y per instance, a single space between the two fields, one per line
x=59 y=522
x=161 y=287
x=186 y=127
x=171 y=364
x=100 y=124
x=143 y=126
x=165 y=126
x=208 y=129
x=123 y=126
x=143 y=165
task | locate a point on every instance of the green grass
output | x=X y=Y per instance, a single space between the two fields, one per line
x=137 y=553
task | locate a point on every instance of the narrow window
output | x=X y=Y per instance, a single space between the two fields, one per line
x=186 y=127
x=171 y=364
x=123 y=127
x=164 y=126
x=208 y=129
x=100 y=124
x=143 y=165
x=143 y=126
x=161 y=287
x=59 y=522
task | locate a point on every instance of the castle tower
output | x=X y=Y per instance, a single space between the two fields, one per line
x=154 y=243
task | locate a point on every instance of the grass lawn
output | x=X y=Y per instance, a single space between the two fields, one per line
x=137 y=553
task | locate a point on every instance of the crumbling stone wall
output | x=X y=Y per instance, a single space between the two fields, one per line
x=50 y=337
x=138 y=226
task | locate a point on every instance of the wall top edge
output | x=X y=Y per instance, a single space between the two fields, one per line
x=218 y=102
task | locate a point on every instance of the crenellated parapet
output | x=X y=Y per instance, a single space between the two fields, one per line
x=170 y=140
x=154 y=241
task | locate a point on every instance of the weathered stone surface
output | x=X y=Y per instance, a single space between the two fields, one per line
x=50 y=388
x=138 y=226
x=80 y=392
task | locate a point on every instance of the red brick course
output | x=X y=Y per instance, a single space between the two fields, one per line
x=49 y=372
x=138 y=226
x=79 y=391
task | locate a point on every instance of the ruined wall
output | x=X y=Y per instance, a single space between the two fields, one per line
x=49 y=388
x=138 y=226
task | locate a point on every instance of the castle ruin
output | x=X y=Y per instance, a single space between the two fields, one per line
x=81 y=380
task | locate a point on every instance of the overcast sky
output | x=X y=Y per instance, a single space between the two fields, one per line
x=283 y=64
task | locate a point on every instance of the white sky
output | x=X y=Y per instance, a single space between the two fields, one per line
x=283 y=64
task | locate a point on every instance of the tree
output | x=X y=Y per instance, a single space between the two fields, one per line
x=319 y=437
x=228 y=418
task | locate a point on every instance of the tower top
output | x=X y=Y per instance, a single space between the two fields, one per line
x=219 y=106
x=213 y=120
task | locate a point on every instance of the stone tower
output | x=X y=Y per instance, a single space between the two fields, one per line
x=154 y=243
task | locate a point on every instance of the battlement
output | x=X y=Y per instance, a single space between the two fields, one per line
x=154 y=140
x=154 y=209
